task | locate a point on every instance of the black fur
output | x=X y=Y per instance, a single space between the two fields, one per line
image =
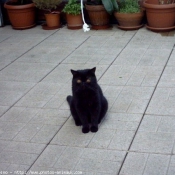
x=88 y=105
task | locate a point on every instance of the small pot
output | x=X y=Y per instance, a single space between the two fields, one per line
x=74 y=21
x=53 y=19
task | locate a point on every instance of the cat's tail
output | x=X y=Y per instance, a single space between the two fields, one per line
x=69 y=99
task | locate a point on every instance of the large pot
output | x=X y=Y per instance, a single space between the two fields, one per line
x=98 y=16
x=21 y=16
x=129 y=21
x=160 y=17
x=74 y=21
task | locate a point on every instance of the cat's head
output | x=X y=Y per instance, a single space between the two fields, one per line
x=84 y=79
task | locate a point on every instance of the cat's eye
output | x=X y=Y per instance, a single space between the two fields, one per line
x=78 y=81
x=88 y=80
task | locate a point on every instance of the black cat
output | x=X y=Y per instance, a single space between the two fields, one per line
x=88 y=105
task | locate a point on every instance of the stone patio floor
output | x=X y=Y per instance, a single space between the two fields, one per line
x=136 y=70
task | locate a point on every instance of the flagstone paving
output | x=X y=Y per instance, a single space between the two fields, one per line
x=136 y=72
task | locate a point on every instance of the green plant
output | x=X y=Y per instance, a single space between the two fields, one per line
x=129 y=6
x=109 y=5
x=72 y=7
x=47 y=5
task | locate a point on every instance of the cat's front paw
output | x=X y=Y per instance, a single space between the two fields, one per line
x=85 y=129
x=94 y=128
x=78 y=123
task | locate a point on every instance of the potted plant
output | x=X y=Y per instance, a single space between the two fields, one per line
x=73 y=15
x=21 y=13
x=129 y=15
x=99 y=12
x=52 y=17
x=160 y=14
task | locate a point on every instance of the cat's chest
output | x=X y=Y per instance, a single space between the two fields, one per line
x=88 y=99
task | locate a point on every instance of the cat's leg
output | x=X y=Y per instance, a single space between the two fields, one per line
x=84 y=119
x=94 y=119
x=103 y=109
x=73 y=111
x=69 y=99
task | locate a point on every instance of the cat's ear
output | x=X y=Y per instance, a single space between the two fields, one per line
x=74 y=72
x=93 y=70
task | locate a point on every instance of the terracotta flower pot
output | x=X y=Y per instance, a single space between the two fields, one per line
x=129 y=21
x=21 y=16
x=99 y=17
x=74 y=21
x=160 y=17
x=52 y=19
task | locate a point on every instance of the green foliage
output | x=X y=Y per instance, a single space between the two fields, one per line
x=110 y=5
x=72 y=7
x=48 y=5
x=129 y=6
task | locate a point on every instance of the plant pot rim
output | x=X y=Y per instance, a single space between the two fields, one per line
x=158 y=6
x=128 y=13
x=94 y=7
x=58 y=13
x=73 y=14
x=7 y=5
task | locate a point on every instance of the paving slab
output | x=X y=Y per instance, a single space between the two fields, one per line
x=135 y=70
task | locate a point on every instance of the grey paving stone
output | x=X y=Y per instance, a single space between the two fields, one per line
x=120 y=121
x=4 y=166
x=11 y=92
x=160 y=57
x=106 y=161
x=28 y=132
x=132 y=75
x=153 y=142
x=150 y=123
x=121 y=140
x=162 y=102
x=19 y=114
x=134 y=164
x=23 y=147
x=157 y=164
x=130 y=57
x=171 y=169
x=69 y=158
x=34 y=100
x=50 y=156
x=56 y=101
x=167 y=79
x=45 y=134
x=143 y=163
x=3 y=109
x=17 y=158
x=27 y=72
x=50 y=117
x=73 y=137
x=4 y=144
x=10 y=129
x=17 y=168
x=130 y=98
x=171 y=61
x=102 y=138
